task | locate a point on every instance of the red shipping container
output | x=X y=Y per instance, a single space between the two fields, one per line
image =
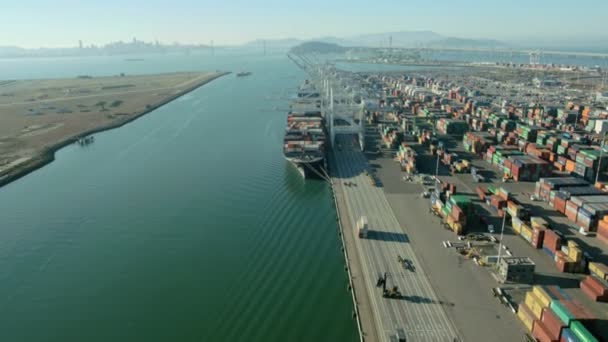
x=591 y=293
x=602 y=228
x=515 y=172
x=603 y=239
x=556 y=292
x=553 y=324
x=578 y=310
x=542 y=334
x=538 y=235
x=481 y=192
x=457 y=214
x=560 y=204
x=494 y=201
x=560 y=262
x=596 y=285
x=571 y=211
x=552 y=241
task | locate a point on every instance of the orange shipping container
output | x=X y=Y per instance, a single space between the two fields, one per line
x=570 y=165
x=552 y=156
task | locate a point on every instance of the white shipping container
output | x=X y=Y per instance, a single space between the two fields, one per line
x=601 y=126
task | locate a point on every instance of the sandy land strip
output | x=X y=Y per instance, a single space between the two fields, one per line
x=38 y=117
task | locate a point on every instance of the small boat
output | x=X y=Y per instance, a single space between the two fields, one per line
x=243 y=74
x=86 y=140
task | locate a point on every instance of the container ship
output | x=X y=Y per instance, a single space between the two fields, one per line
x=304 y=143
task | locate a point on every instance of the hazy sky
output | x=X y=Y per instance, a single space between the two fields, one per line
x=52 y=23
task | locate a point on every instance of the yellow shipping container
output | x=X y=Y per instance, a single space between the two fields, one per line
x=457 y=228
x=535 y=305
x=542 y=295
x=514 y=210
x=572 y=244
x=523 y=314
x=516 y=224
x=575 y=253
x=526 y=232
x=465 y=162
x=599 y=269
x=538 y=221
x=450 y=221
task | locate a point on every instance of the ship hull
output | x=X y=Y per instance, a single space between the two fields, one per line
x=309 y=169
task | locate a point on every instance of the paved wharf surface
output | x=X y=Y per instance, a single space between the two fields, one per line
x=418 y=312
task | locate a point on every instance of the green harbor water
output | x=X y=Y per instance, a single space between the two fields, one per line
x=184 y=225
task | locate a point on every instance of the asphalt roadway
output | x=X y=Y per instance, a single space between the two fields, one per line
x=419 y=312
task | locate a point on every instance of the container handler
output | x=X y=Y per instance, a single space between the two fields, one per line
x=362 y=227
x=392 y=292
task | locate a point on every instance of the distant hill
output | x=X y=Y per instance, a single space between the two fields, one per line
x=400 y=39
x=274 y=44
x=318 y=47
x=460 y=43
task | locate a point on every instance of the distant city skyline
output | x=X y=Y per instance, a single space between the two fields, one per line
x=63 y=23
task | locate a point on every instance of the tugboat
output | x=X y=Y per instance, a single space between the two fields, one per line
x=243 y=74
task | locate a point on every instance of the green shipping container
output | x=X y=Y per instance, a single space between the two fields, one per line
x=580 y=158
x=461 y=201
x=560 y=311
x=581 y=332
x=445 y=211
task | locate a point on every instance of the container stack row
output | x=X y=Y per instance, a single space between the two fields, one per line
x=584 y=205
x=455 y=210
x=452 y=126
x=391 y=137
x=406 y=156
x=478 y=142
x=567 y=255
x=550 y=315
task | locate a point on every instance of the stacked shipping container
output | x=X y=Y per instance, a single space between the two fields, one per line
x=406 y=156
x=550 y=315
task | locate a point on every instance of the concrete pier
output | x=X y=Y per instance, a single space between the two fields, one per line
x=361 y=302
x=419 y=312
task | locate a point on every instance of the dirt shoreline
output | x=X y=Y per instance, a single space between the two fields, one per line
x=48 y=155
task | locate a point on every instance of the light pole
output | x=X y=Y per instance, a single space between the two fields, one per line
x=599 y=163
x=437 y=171
x=502 y=230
